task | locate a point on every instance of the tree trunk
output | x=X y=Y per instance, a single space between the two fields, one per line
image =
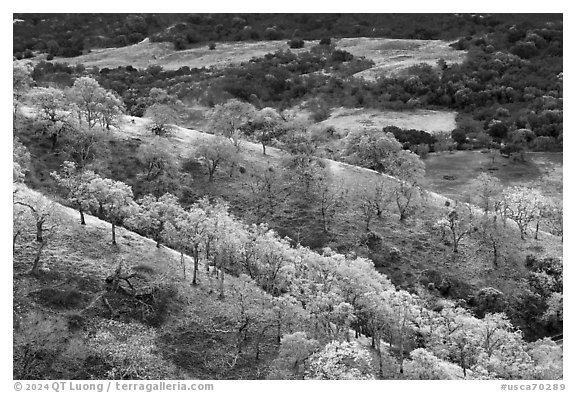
x=39 y=231
x=82 y=221
x=183 y=264
x=36 y=264
x=463 y=364
x=221 y=283
x=113 y=233
x=263 y=148
x=380 y=364
x=196 y=258
x=207 y=257
x=211 y=170
x=537 y=229
x=279 y=332
x=495 y=253
x=54 y=139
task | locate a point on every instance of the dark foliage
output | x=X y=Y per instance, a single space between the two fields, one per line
x=411 y=137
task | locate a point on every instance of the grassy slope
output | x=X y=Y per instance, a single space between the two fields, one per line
x=77 y=261
x=148 y=53
x=389 y=55
x=419 y=247
x=82 y=257
x=394 y=55
x=431 y=121
x=541 y=170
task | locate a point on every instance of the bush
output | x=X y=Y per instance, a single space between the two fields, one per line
x=325 y=41
x=341 y=56
x=489 y=300
x=422 y=150
x=296 y=43
x=320 y=110
x=212 y=46
x=272 y=34
x=44 y=348
x=128 y=351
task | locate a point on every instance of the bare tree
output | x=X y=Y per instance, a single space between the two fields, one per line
x=43 y=217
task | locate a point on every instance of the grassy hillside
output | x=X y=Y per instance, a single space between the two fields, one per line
x=450 y=174
x=390 y=56
x=347 y=119
x=76 y=317
x=410 y=253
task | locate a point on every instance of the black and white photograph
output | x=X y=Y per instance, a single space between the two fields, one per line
x=209 y=197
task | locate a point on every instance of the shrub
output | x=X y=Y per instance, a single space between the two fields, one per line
x=320 y=110
x=272 y=34
x=341 y=56
x=44 y=348
x=128 y=351
x=422 y=150
x=325 y=41
x=489 y=300
x=296 y=43
x=212 y=46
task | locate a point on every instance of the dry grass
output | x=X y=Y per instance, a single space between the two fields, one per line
x=389 y=55
x=148 y=53
x=347 y=119
x=420 y=248
x=541 y=170
x=392 y=56
x=193 y=333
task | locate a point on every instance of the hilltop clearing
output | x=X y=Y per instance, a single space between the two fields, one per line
x=389 y=55
x=147 y=53
x=431 y=121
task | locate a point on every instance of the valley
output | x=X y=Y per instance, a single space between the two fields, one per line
x=214 y=197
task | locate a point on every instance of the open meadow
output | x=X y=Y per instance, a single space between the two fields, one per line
x=390 y=56
x=451 y=173
x=431 y=121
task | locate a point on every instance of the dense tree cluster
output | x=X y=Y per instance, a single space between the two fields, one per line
x=68 y=35
x=336 y=300
x=501 y=90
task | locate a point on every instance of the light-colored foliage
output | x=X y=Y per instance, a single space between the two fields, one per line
x=115 y=201
x=153 y=215
x=214 y=153
x=76 y=183
x=227 y=119
x=161 y=116
x=340 y=360
x=485 y=191
x=424 y=365
x=89 y=97
x=523 y=206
